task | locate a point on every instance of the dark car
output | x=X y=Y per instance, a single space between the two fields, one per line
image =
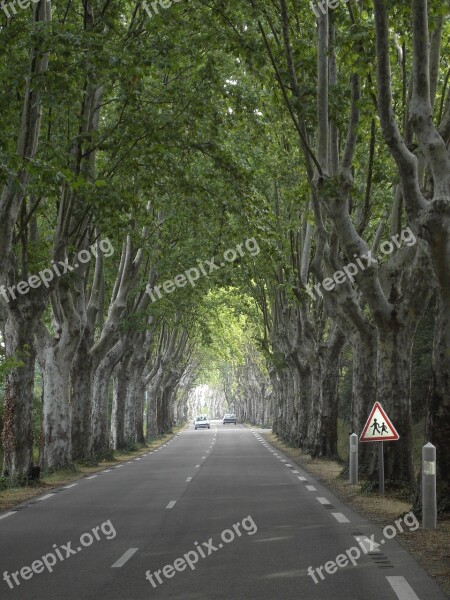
x=229 y=418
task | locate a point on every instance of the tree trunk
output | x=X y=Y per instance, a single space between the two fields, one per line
x=152 y=429
x=394 y=393
x=325 y=444
x=55 y=443
x=81 y=399
x=118 y=439
x=100 y=445
x=17 y=435
x=364 y=392
x=438 y=417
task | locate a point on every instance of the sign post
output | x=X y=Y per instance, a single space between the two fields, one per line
x=379 y=428
x=381 y=468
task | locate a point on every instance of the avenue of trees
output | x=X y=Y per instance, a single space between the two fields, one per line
x=138 y=149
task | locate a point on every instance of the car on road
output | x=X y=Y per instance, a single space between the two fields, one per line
x=229 y=418
x=202 y=422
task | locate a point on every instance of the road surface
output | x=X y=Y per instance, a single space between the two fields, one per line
x=213 y=514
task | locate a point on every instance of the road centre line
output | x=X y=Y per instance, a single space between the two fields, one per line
x=124 y=558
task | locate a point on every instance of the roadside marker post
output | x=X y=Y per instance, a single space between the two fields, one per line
x=429 y=503
x=379 y=428
x=353 y=459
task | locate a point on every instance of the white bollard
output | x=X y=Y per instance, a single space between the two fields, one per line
x=429 y=503
x=353 y=459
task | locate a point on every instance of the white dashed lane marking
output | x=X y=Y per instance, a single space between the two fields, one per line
x=171 y=504
x=340 y=518
x=45 y=497
x=124 y=558
x=92 y=477
x=302 y=478
x=67 y=487
x=402 y=588
x=323 y=501
x=311 y=488
x=188 y=480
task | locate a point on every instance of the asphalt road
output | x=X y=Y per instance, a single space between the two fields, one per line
x=213 y=514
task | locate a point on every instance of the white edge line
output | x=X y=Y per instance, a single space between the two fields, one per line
x=67 y=487
x=8 y=514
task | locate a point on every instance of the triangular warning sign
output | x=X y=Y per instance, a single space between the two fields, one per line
x=378 y=427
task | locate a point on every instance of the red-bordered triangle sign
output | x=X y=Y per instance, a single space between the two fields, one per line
x=378 y=427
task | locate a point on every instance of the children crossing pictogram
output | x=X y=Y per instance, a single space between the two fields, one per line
x=378 y=427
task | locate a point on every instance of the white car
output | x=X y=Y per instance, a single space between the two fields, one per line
x=202 y=422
